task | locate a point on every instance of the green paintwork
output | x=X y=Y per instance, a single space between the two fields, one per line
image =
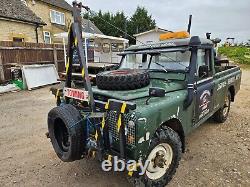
x=143 y=92
x=161 y=110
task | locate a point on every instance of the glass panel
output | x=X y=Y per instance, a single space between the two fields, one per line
x=166 y=60
x=171 y=60
x=135 y=61
x=201 y=57
x=114 y=47
x=98 y=47
x=106 y=48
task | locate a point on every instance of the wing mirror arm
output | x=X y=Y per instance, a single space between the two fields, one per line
x=155 y=92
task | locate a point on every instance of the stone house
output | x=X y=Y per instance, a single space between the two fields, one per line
x=34 y=20
x=18 y=23
x=57 y=14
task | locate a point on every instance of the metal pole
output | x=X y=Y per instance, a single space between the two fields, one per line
x=86 y=50
x=65 y=53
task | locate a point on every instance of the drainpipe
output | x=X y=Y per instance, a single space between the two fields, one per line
x=36 y=30
x=194 y=44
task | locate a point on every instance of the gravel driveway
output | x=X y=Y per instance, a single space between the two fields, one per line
x=217 y=155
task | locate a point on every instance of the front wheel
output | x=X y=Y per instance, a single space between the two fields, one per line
x=163 y=157
x=221 y=115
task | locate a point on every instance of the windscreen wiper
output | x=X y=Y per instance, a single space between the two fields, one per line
x=162 y=67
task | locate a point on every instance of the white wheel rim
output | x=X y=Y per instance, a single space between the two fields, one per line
x=155 y=172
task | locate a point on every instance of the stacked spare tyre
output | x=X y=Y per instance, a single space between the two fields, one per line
x=125 y=79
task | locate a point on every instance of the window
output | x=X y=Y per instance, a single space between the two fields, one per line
x=106 y=48
x=17 y=39
x=98 y=47
x=47 y=38
x=117 y=47
x=174 y=60
x=57 y=17
x=201 y=58
x=166 y=60
x=135 y=61
x=203 y=61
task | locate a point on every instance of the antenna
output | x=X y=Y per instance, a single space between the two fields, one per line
x=189 y=24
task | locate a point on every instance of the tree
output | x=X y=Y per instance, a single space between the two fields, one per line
x=120 y=21
x=140 y=21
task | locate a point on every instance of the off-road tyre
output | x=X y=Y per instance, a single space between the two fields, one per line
x=169 y=136
x=220 y=116
x=66 y=132
x=126 y=79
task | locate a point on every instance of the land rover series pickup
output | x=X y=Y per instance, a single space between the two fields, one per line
x=145 y=109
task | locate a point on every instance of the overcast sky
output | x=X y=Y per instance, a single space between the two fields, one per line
x=223 y=18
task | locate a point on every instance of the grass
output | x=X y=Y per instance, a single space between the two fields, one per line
x=240 y=55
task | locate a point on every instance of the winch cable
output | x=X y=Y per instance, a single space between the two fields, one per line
x=132 y=37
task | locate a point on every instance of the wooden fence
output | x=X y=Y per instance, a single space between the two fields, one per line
x=17 y=53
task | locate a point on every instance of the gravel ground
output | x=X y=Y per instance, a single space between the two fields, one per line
x=217 y=155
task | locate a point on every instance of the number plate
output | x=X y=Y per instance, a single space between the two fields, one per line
x=76 y=94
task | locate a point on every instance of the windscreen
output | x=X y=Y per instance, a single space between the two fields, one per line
x=174 y=60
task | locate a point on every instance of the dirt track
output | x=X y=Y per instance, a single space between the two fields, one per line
x=217 y=155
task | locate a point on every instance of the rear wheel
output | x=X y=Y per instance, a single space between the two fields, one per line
x=164 y=156
x=67 y=133
x=221 y=115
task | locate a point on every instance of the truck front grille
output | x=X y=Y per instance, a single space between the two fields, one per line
x=130 y=128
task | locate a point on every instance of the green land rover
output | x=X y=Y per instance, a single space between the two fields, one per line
x=145 y=109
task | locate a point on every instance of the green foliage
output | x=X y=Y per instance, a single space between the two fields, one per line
x=140 y=21
x=238 y=54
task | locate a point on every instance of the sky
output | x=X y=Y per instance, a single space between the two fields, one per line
x=223 y=18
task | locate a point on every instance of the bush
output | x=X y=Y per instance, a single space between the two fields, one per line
x=238 y=54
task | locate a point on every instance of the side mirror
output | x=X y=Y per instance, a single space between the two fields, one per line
x=203 y=71
x=157 y=92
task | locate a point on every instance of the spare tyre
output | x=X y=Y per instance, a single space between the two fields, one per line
x=125 y=79
x=66 y=132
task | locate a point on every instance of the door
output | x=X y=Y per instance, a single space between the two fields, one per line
x=204 y=86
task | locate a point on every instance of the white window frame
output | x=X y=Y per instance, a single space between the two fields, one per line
x=59 y=21
x=45 y=35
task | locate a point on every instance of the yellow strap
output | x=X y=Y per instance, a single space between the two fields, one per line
x=109 y=158
x=130 y=173
x=57 y=93
x=132 y=168
x=103 y=122
x=107 y=105
x=93 y=153
x=69 y=29
x=83 y=73
x=119 y=122
x=96 y=135
x=123 y=108
x=75 y=42
x=67 y=67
